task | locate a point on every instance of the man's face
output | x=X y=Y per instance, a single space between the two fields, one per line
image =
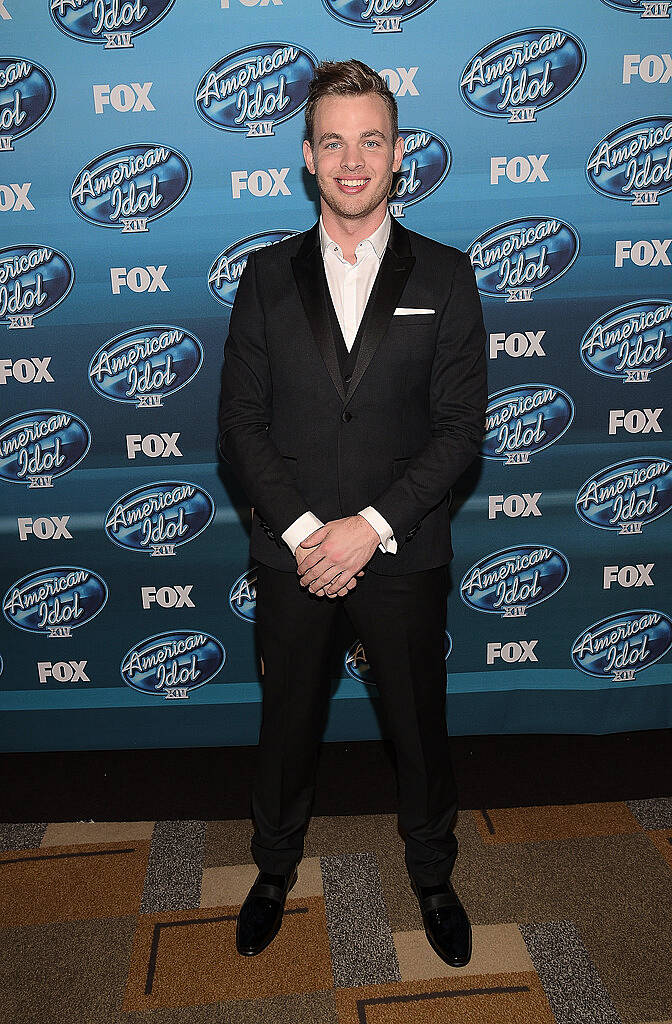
x=352 y=156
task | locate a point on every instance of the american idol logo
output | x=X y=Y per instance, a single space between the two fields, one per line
x=634 y=162
x=426 y=162
x=523 y=420
x=144 y=365
x=522 y=256
x=380 y=16
x=112 y=22
x=39 y=445
x=523 y=72
x=170 y=665
x=626 y=496
x=644 y=8
x=631 y=342
x=227 y=269
x=357 y=664
x=130 y=186
x=159 y=517
x=254 y=89
x=34 y=279
x=621 y=645
x=55 y=601
x=27 y=94
x=243 y=596
x=509 y=582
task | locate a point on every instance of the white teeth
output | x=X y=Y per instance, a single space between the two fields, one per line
x=352 y=183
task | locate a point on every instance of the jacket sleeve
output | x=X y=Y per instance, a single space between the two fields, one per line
x=458 y=399
x=245 y=412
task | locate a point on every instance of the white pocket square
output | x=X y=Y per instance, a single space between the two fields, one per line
x=411 y=311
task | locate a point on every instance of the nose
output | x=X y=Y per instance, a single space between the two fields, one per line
x=351 y=158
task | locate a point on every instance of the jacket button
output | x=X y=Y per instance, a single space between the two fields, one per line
x=348 y=378
x=346 y=416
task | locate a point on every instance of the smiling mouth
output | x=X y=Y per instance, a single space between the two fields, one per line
x=352 y=185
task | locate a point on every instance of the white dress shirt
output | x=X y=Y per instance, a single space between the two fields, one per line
x=350 y=286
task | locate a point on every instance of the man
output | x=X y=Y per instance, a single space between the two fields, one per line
x=353 y=397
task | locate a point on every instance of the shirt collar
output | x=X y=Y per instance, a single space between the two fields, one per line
x=378 y=239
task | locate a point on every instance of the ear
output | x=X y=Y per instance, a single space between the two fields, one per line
x=308 y=156
x=398 y=153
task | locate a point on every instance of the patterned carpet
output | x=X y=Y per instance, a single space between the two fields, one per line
x=104 y=923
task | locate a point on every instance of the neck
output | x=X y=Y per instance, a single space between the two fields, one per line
x=348 y=232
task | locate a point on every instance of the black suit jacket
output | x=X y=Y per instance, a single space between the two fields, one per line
x=412 y=418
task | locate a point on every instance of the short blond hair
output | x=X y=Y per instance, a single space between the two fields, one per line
x=347 y=78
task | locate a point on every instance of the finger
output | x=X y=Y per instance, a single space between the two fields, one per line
x=326 y=580
x=321 y=573
x=314 y=538
x=310 y=560
x=340 y=584
x=360 y=573
x=310 y=567
x=322 y=583
x=315 y=579
x=342 y=591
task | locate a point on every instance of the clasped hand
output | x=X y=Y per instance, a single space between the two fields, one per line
x=330 y=559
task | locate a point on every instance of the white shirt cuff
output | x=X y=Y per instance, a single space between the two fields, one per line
x=300 y=529
x=388 y=544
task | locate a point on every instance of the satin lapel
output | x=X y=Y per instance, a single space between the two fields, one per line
x=308 y=270
x=396 y=265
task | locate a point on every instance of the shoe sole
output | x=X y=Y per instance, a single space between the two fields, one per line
x=269 y=940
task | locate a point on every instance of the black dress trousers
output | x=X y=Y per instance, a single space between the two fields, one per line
x=401 y=622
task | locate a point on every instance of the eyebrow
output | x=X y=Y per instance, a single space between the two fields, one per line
x=369 y=133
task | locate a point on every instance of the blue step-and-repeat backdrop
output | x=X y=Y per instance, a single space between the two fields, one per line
x=146 y=148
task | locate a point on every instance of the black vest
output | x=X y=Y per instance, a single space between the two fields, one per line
x=346 y=360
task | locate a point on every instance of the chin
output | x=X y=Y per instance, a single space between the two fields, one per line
x=356 y=208
x=354 y=213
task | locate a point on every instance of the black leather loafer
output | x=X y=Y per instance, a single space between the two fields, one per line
x=260 y=916
x=446 y=923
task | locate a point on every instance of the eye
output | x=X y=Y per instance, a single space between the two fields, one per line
x=331 y=145
x=372 y=143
